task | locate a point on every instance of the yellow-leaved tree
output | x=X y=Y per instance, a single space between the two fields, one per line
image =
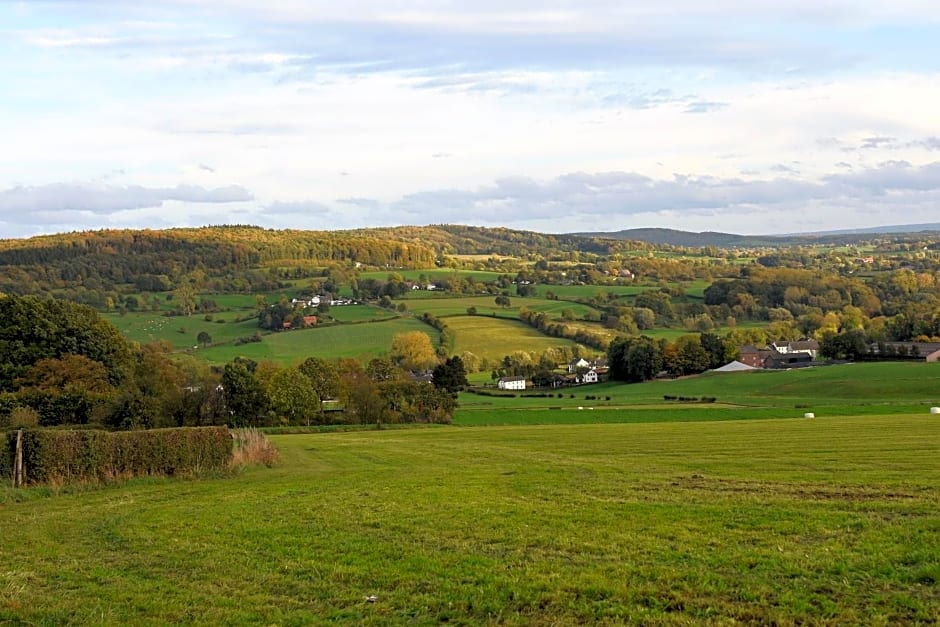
x=413 y=351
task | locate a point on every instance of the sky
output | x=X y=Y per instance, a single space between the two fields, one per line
x=743 y=116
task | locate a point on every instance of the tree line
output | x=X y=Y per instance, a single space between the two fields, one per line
x=61 y=363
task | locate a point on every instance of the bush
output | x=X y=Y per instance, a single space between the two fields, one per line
x=56 y=457
x=251 y=448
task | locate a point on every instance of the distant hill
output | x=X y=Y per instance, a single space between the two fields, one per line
x=673 y=237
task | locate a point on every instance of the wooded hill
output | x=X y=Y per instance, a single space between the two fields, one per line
x=155 y=260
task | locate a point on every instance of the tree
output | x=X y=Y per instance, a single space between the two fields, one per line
x=634 y=359
x=245 y=397
x=292 y=396
x=185 y=298
x=692 y=358
x=413 y=351
x=204 y=338
x=644 y=318
x=451 y=375
x=503 y=301
x=32 y=329
x=323 y=376
x=383 y=369
x=715 y=348
x=850 y=344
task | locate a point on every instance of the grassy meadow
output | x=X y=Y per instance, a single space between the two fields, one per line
x=828 y=521
x=328 y=342
x=846 y=390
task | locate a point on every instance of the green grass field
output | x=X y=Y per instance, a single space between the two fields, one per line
x=432 y=274
x=853 y=389
x=832 y=521
x=328 y=342
x=486 y=305
x=181 y=331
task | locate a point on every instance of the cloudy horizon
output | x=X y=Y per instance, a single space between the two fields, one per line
x=554 y=117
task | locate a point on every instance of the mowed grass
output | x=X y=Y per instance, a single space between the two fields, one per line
x=329 y=342
x=851 y=389
x=494 y=338
x=833 y=521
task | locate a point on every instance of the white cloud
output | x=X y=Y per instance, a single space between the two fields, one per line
x=356 y=114
x=104 y=200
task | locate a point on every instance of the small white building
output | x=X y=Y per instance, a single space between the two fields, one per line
x=590 y=376
x=574 y=364
x=511 y=383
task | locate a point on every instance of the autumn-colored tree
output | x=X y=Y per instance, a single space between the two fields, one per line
x=413 y=351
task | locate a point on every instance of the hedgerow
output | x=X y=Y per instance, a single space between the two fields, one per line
x=59 y=456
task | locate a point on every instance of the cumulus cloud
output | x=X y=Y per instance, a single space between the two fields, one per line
x=109 y=199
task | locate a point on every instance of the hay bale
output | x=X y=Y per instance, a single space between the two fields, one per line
x=809 y=414
x=935 y=410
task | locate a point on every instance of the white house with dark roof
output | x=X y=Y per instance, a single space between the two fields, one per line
x=511 y=383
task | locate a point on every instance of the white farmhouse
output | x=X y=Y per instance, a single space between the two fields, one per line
x=511 y=383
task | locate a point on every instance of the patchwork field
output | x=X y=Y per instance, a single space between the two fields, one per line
x=832 y=521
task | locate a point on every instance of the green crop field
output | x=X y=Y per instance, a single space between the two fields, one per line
x=852 y=389
x=832 y=521
x=329 y=342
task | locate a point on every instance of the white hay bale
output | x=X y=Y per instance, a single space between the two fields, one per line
x=935 y=410
x=809 y=414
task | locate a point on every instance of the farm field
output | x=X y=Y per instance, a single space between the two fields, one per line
x=181 y=331
x=327 y=342
x=493 y=338
x=852 y=389
x=486 y=306
x=832 y=521
x=432 y=274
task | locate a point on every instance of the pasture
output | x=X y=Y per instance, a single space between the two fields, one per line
x=851 y=389
x=486 y=306
x=181 y=331
x=364 y=340
x=828 y=521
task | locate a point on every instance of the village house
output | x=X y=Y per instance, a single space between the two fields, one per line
x=511 y=383
x=576 y=363
x=810 y=347
x=772 y=357
x=591 y=376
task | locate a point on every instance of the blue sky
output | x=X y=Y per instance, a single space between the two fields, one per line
x=556 y=116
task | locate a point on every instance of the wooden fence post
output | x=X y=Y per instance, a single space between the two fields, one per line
x=18 y=475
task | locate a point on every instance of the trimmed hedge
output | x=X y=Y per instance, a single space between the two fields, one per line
x=56 y=456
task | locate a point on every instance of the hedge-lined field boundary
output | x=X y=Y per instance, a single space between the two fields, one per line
x=52 y=456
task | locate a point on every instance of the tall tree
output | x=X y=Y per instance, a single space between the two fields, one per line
x=293 y=397
x=413 y=351
x=451 y=375
x=245 y=397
